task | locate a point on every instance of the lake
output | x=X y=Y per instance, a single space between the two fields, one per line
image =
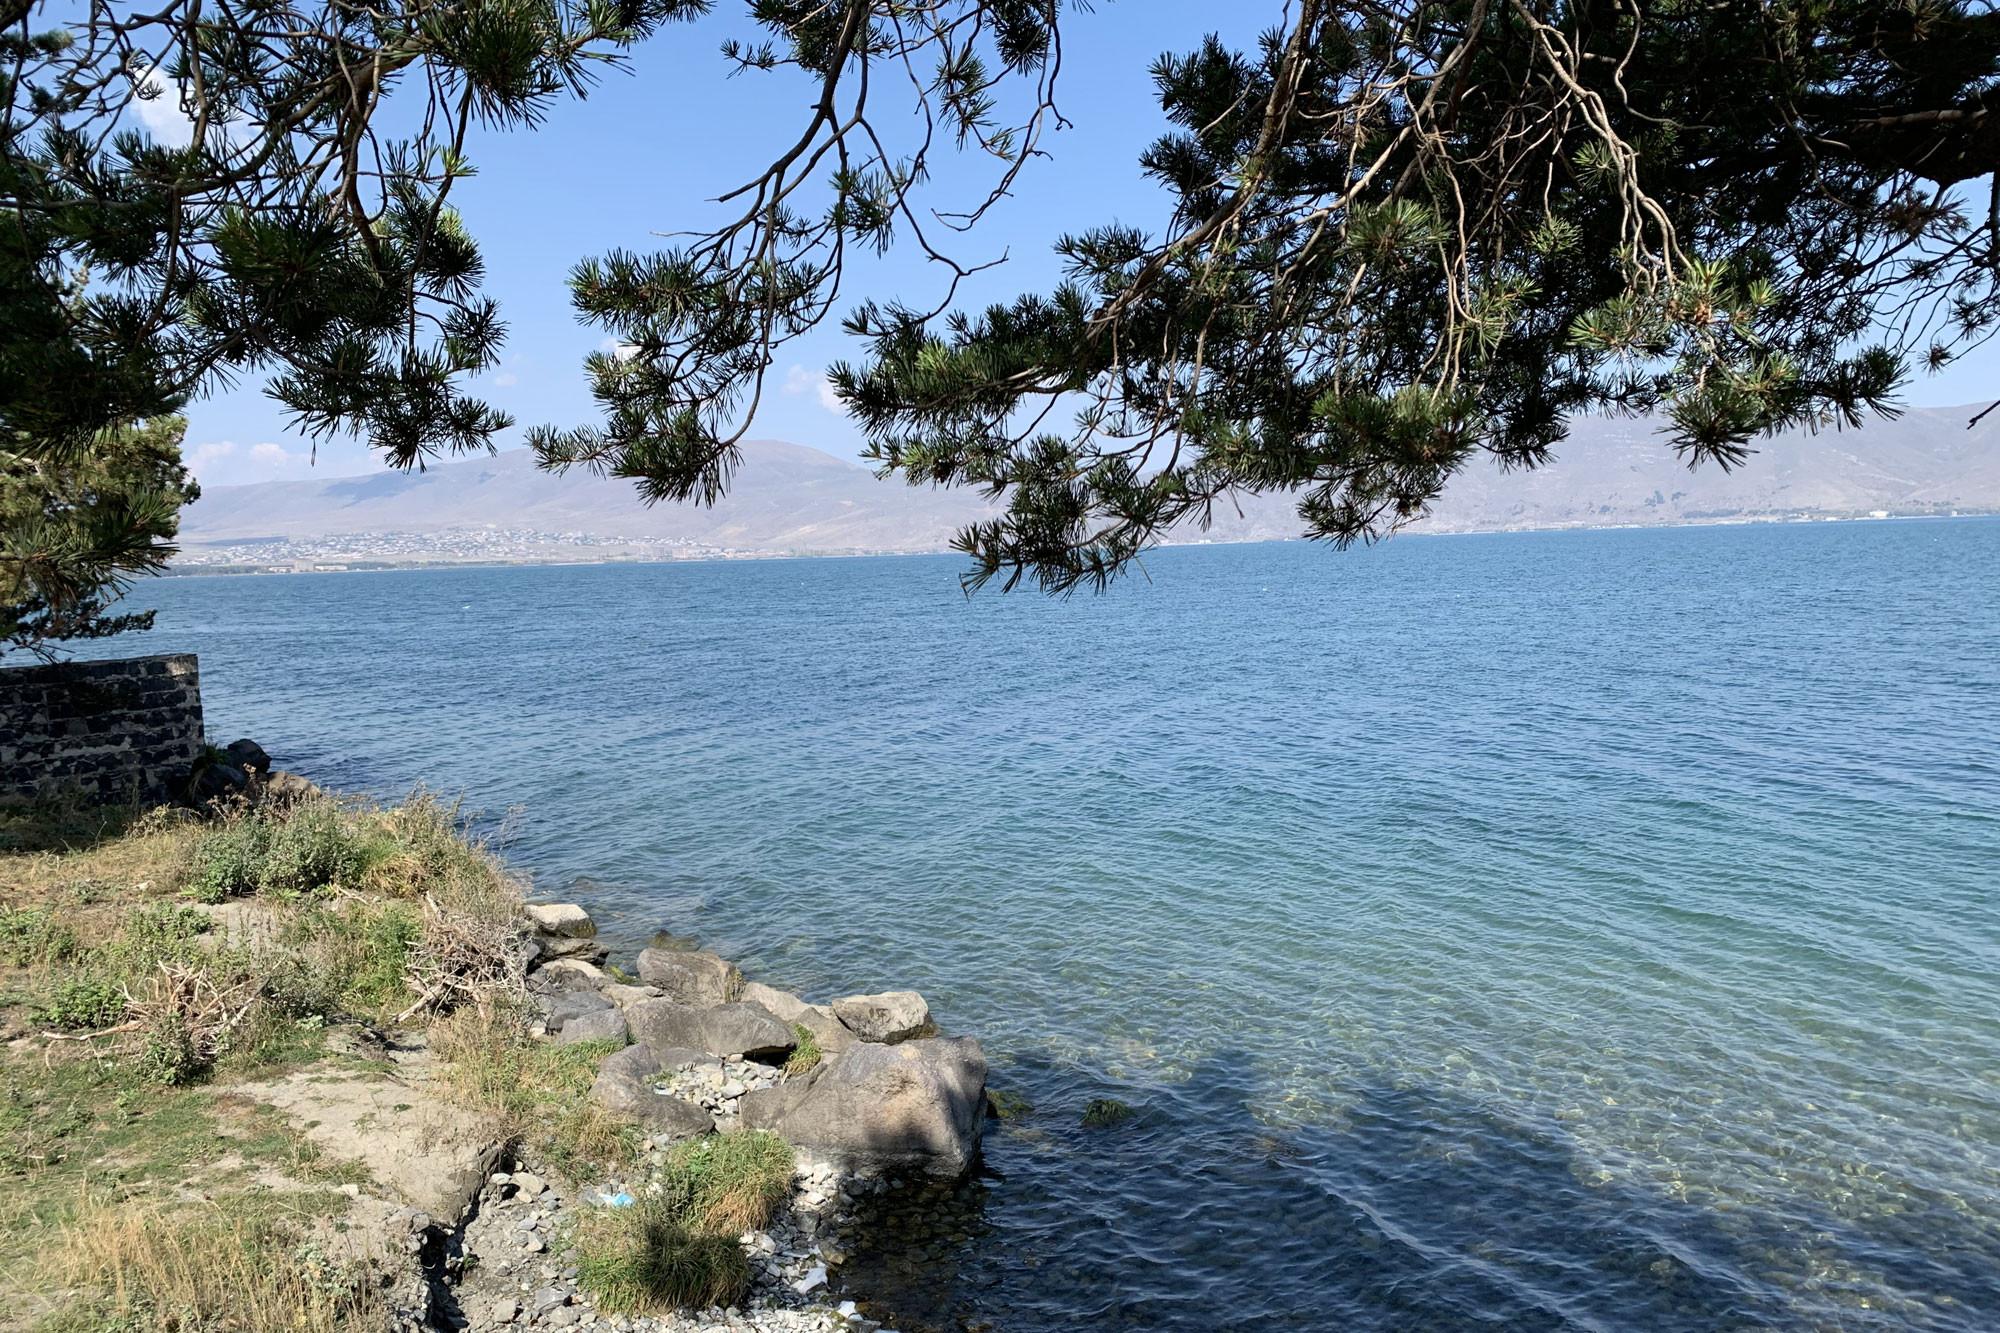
x=1589 y=930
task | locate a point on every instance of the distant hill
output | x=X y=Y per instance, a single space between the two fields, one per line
x=790 y=499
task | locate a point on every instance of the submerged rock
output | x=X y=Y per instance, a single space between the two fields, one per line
x=1103 y=1112
x=918 y=1105
x=897 y=1015
x=690 y=976
x=724 y=1029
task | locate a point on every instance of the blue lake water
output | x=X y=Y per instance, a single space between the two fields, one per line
x=1558 y=931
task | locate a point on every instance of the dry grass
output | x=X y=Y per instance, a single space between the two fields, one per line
x=540 y=1092
x=356 y=913
x=208 y=1271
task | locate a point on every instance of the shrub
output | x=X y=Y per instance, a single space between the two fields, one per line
x=724 y=1184
x=83 y=1003
x=171 y=1054
x=644 y=1258
x=309 y=851
x=299 y=853
x=223 y=864
x=31 y=935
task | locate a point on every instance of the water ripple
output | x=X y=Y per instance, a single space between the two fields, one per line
x=1581 y=931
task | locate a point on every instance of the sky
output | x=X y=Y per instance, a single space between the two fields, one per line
x=650 y=148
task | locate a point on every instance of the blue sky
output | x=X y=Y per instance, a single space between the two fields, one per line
x=650 y=148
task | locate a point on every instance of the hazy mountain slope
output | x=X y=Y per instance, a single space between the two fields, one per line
x=1621 y=472
x=790 y=498
x=784 y=497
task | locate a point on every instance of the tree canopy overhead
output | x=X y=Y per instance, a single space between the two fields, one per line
x=1396 y=235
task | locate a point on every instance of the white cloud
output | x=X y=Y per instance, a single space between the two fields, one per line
x=225 y=462
x=203 y=457
x=830 y=400
x=623 y=351
x=160 y=111
x=799 y=380
x=506 y=380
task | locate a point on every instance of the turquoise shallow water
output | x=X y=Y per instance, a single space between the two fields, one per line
x=1562 y=931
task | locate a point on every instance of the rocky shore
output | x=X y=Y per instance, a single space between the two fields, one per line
x=866 y=1091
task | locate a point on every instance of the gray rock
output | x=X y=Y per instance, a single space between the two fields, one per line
x=749 y=1030
x=550 y=1298
x=624 y=1086
x=832 y=1035
x=690 y=976
x=897 y=1015
x=570 y=946
x=918 y=1105
x=787 y=1006
x=606 y=1024
x=560 y=1007
x=281 y=790
x=570 y=974
x=249 y=756
x=505 y=1310
x=626 y=996
x=563 y=919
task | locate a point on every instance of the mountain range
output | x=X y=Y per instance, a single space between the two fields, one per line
x=790 y=499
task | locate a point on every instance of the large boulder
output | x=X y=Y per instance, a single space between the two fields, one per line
x=897 y=1015
x=625 y=996
x=787 y=1006
x=691 y=976
x=559 y=1007
x=562 y=919
x=280 y=790
x=606 y=1024
x=915 y=1106
x=749 y=1030
x=249 y=756
x=554 y=947
x=624 y=1087
x=568 y=974
x=832 y=1035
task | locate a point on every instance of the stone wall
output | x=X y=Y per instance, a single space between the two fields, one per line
x=113 y=731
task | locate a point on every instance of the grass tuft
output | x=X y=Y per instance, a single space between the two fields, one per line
x=727 y=1183
x=807 y=1054
x=35 y=936
x=643 y=1258
x=676 y=1248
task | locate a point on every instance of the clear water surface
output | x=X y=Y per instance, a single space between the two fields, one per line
x=1562 y=931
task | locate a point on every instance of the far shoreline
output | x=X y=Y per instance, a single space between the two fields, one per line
x=334 y=566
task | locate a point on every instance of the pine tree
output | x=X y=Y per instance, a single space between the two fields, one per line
x=75 y=528
x=1401 y=236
